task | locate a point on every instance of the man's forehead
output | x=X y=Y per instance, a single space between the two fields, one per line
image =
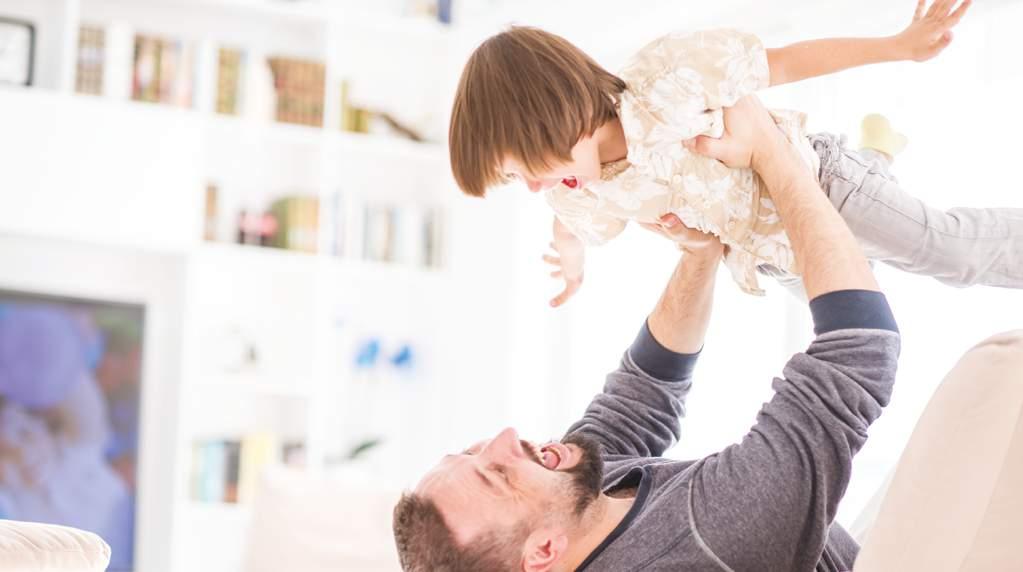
x=450 y=487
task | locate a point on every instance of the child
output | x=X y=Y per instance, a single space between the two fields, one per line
x=608 y=149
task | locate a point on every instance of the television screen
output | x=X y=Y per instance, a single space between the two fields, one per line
x=70 y=383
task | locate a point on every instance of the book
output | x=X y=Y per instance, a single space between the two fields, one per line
x=229 y=69
x=297 y=219
x=379 y=233
x=89 y=66
x=211 y=473
x=162 y=71
x=433 y=238
x=232 y=461
x=258 y=451
x=209 y=232
x=300 y=86
x=353 y=119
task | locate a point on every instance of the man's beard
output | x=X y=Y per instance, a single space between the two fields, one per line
x=587 y=476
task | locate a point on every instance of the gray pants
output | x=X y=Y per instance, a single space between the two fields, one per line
x=959 y=247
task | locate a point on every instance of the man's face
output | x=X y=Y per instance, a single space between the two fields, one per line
x=582 y=169
x=506 y=482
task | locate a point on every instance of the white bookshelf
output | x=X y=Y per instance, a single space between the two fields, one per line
x=88 y=169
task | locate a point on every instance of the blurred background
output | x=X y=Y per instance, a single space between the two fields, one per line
x=241 y=296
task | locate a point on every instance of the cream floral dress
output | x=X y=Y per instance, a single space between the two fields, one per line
x=677 y=87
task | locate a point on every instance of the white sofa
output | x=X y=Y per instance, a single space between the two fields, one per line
x=322 y=522
x=34 y=547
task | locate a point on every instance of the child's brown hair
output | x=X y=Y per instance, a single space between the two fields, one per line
x=526 y=94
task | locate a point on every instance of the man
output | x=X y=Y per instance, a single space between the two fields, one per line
x=601 y=499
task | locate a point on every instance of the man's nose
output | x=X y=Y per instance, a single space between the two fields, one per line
x=504 y=445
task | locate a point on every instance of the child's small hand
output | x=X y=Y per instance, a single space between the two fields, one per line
x=931 y=31
x=688 y=239
x=568 y=259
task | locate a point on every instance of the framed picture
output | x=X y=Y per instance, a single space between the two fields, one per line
x=17 y=51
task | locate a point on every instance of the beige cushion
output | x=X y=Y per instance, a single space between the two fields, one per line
x=956 y=499
x=326 y=522
x=33 y=547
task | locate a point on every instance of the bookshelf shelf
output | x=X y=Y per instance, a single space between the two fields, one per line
x=231 y=385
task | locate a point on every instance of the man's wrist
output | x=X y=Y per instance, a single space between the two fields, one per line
x=768 y=151
x=709 y=253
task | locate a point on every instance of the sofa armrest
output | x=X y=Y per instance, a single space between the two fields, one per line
x=30 y=546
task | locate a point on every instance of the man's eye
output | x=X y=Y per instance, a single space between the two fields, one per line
x=501 y=471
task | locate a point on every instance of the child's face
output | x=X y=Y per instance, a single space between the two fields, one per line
x=577 y=173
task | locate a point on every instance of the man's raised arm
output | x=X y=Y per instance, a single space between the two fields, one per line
x=769 y=502
x=639 y=410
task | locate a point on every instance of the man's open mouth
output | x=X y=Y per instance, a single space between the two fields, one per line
x=548 y=455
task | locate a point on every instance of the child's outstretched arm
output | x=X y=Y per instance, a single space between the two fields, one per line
x=925 y=37
x=568 y=261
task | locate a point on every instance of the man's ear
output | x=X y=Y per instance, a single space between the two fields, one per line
x=543 y=549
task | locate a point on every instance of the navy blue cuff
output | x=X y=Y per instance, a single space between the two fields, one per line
x=658 y=361
x=851 y=309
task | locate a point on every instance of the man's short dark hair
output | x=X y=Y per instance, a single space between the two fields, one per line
x=426 y=544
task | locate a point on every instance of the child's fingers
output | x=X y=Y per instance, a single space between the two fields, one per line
x=942 y=43
x=954 y=18
x=567 y=293
x=941 y=8
x=556 y=274
x=555 y=260
x=920 y=5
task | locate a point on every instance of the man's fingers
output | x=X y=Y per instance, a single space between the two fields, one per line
x=706 y=146
x=954 y=18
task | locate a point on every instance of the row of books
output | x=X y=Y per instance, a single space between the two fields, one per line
x=407 y=235
x=228 y=470
x=291 y=222
x=289 y=90
x=163 y=71
x=411 y=235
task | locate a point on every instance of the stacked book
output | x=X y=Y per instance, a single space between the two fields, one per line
x=89 y=68
x=298 y=223
x=300 y=90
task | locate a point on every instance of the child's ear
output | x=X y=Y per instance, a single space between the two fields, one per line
x=543 y=549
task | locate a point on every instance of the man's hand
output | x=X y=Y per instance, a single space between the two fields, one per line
x=568 y=259
x=930 y=32
x=679 y=321
x=749 y=132
x=823 y=246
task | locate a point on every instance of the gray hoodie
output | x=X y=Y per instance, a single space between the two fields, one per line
x=769 y=502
